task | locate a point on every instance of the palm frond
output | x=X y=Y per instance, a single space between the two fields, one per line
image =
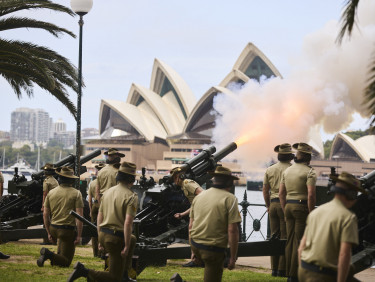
x=11 y=6
x=348 y=19
x=14 y=22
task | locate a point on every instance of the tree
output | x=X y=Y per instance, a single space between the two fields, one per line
x=348 y=19
x=24 y=64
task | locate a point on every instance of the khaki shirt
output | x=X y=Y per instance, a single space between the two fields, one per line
x=189 y=187
x=107 y=178
x=1 y=177
x=115 y=204
x=326 y=228
x=296 y=178
x=92 y=188
x=273 y=175
x=49 y=183
x=60 y=201
x=212 y=211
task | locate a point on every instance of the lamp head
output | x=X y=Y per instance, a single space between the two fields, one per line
x=81 y=7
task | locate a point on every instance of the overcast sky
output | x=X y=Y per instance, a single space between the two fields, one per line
x=201 y=40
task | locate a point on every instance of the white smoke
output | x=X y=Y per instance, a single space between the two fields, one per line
x=325 y=88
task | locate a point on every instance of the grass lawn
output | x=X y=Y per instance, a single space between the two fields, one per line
x=22 y=267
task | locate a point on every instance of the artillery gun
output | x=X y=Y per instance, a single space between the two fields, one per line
x=21 y=208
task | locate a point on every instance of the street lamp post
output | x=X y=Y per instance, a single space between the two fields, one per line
x=81 y=8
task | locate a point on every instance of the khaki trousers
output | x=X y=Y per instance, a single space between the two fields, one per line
x=277 y=224
x=310 y=276
x=117 y=264
x=65 y=246
x=295 y=217
x=94 y=216
x=214 y=264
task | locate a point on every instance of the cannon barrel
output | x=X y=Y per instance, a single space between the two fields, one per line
x=203 y=167
x=368 y=180
x=225 y=151
x=91 y=225
x=202 y=156
x=68 y=159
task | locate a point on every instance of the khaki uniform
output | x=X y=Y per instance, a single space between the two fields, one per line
x=324 y=235
x=296 y=178
x=1 y=177
x=49 y=183
x=272 y=177
x=94 y=213
x=116 y=203
x=188 y=188
x=212 y=211
x=60 y=201
x=107 y=177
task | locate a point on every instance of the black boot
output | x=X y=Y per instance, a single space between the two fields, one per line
x=44 y=255
x=281 y=273
x=274 y=272
x=126 y=278
x=3 y=256
x=79 y=271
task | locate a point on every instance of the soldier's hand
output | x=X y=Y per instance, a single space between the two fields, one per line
x=125 y=252
x=77 y=241
x=231 y=264
x=42 y=209
x=50 y=238
x=100 y=247
x=177 y=215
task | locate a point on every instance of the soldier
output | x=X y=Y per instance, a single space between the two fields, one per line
x=331 y=232
x=190 y=188
x=60 y=225
x=214 y=219
x=1 y=184
x=94 y=208
x=271 y=185
x=297 y=198
x=107 y=176
x=49 y=182
x=115 y=219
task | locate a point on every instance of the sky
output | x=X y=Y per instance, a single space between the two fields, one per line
x=201 y=40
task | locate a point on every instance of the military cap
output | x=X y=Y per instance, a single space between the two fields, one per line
x=48 y=167
x=113 y=151
x=284 y=148
x=350 y=180
x=303 y=147
x=99 y=166
x=223 y=171
x=66 y=172
x=128 y=168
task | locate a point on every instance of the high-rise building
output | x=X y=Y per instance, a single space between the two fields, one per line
x=60 y=126
x=30 y=125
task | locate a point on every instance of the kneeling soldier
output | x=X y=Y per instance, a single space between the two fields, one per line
x=60 y=225
x=115 y=219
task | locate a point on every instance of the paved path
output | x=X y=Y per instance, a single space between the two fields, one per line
x=367 y=275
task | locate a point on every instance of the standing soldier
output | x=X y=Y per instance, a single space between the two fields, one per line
x=1 y=185
x=60 y=225
x=190 y=188
x=107 y=176
x=297 y=198
x=115 y=220
x=49 y=182
x=271 y=185
x=94 y=208
x=214 y=219
x=331 y=232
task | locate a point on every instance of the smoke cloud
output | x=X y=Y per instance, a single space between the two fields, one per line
x=324 y=89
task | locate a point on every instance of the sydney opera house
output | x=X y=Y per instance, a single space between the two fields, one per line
x=162 y=126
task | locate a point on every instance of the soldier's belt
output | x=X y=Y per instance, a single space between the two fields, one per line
x=207 y=248
x=302 y=202
x=275 y=200
x=318 y=269
x=112 y=232
x=69 y=227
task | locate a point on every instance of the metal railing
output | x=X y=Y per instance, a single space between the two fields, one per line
x=257 y=223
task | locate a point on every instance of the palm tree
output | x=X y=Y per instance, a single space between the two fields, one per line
x=348 y=19
x=24 y=64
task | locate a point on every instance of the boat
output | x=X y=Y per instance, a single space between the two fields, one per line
x=23 y=168
x=254 y=185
